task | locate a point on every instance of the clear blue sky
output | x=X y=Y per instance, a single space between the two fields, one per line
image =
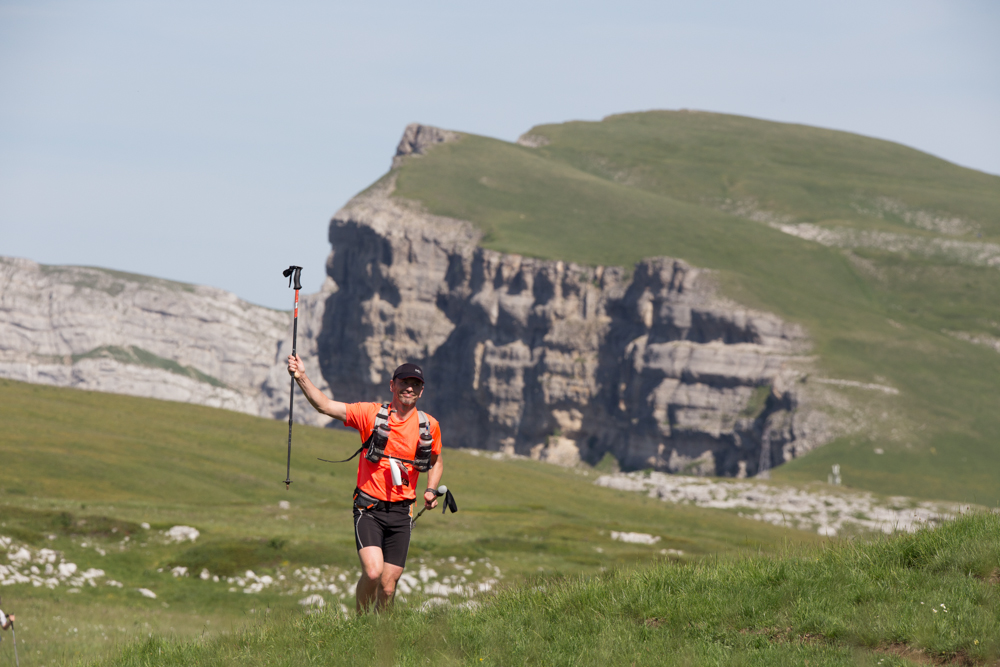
x=210 y=142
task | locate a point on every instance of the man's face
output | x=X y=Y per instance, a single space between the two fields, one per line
x=407 y=390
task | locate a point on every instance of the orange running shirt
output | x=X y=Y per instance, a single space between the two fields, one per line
x=376 y=479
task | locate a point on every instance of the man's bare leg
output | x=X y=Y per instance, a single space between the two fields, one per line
x=377 y=586
x=387 y=587
x=371 y=573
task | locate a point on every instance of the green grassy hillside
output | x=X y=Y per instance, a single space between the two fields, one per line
x=82 y=472
x=807 y=173
x=926 y=598
x=704 y=187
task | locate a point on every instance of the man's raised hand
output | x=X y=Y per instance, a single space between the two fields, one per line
x=295 y=366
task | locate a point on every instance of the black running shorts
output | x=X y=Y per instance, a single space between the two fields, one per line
x=388 y=529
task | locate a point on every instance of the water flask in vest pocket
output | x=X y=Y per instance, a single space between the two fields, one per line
x=422 y=459
x=397 y=475
x=376 y=443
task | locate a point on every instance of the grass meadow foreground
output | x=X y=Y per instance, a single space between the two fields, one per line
x=93 y=486
x=928 y=597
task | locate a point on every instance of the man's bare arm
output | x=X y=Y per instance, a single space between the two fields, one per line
x=433 y=480
x=319 y=400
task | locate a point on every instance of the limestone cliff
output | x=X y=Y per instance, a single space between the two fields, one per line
x=554 y=360
x=117 y=332
x=559 y=361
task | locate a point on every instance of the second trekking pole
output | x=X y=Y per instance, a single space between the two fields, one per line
x=440 y=491
x=14 y=637
x=292 y=273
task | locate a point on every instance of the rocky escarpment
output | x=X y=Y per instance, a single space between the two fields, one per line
x=543 y=358
x=559 y=361
x=110 y=331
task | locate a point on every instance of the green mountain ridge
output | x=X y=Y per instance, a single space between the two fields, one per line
x=716 y=191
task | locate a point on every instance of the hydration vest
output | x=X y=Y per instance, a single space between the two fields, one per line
x=374 y=446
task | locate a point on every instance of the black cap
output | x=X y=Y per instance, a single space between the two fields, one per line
x=408 y=371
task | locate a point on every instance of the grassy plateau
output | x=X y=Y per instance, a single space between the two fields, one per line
x=710 y=189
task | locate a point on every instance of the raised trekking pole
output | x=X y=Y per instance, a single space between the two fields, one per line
x=292 y=273
x=13 y=635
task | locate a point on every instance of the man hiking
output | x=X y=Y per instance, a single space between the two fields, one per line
x=399 y=442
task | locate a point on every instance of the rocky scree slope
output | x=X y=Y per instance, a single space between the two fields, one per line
x=109 y=331
x=559 y=361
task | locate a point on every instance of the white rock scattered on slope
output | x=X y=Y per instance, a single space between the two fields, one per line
x=964 y=252
x=635 y=538
x=182 y=533
x=22 y=555
x=43 y=567
x=46 y=567
x=892 y=391
x=315 y=600
x=826 y=512
x=471 y=577
x=433 y=602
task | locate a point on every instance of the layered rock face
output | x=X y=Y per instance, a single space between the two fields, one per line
x=559 y=361
x=109 y=331
x=543 y=358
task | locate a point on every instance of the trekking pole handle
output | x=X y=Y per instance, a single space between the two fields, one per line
x=292 y=273
x=437 y=492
